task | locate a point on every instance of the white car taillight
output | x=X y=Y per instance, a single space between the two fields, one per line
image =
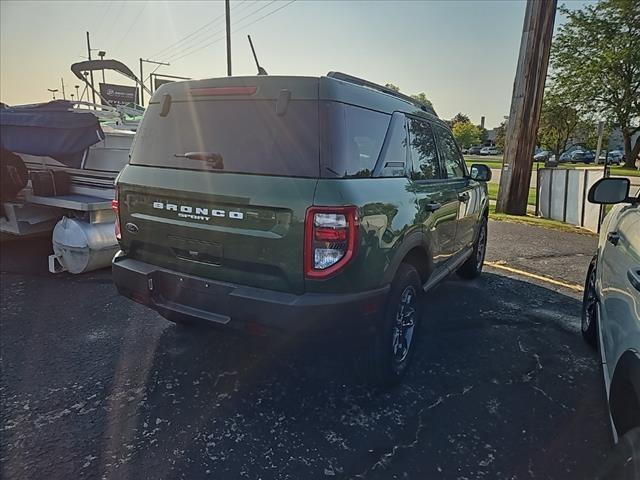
x=330 y=239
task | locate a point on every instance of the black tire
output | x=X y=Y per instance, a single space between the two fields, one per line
x=589 y=324
x=472 y=268
x=391 y=349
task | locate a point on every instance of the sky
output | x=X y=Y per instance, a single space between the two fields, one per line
x=461 y=54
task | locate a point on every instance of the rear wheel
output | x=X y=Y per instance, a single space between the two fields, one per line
x=392 y=347
x=473 y=266
x=590 y=307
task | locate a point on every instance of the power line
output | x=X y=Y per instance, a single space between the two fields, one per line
x=131 y=26
x=234 y=31
x=199 y=45
x=239 y=6
x=155 y=55
x=115 y=20
x=102 y=18
x=214 y=34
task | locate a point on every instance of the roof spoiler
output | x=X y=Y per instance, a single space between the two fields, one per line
x=366 y=83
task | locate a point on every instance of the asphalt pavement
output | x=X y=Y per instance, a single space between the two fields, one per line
x=502 y=386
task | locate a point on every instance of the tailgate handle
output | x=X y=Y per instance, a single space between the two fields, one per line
x=214 y=160
x=633 y=274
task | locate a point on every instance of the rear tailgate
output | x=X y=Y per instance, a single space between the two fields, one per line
x=240 y=218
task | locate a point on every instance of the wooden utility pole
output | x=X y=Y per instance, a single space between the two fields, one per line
x=227 y=11
x=526 y=103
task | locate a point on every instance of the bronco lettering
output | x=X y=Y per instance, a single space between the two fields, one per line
x=201 y=213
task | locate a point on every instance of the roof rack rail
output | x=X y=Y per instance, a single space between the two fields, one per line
x=366 y=83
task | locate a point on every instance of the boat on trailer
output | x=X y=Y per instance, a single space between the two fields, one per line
x=72 y=153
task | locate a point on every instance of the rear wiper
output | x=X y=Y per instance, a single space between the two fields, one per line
x=214 y=160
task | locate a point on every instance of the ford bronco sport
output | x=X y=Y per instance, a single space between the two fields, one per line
x=297 y=203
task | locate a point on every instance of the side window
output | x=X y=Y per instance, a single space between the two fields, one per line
x=354 y=139
x=451 y=159
x=393 y=156
x=423 y=151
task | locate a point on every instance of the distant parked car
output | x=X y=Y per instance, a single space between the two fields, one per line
x=490 y=151
x=611 y=319
x=542 y=156
x=589 y=156
x=475 y=150
x=578 y=156
x=465 y=151
x=615 y=157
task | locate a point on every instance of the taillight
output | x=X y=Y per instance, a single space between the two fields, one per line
x=331 y=235
x=115 y=206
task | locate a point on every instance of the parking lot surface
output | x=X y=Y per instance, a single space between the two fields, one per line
x=502 y=386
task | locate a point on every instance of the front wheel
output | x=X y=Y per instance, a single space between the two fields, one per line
x=392 y=346
x=473 y=266
x=589 y=322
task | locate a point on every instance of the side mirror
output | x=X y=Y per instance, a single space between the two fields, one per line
x=609 y=191
x=480 y=172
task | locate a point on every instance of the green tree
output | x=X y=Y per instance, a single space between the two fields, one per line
x=558 y=122
x=419 y=97
x=422 y=98
x=595 y=60
x=501 y=133
x=466 y=134
x=460 y=118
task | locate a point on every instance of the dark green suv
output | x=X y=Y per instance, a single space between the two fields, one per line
x=299 y=204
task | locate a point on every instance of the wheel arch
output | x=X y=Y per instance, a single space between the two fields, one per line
x=624 y=393
x=416 y=252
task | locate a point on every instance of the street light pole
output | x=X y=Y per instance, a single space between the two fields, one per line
x=78 y=92
x=53 y=92
x=101 y=54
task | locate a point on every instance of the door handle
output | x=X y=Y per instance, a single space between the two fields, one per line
x=613 y=238
x=432 y=207
x=633 y=274
x=463 y=197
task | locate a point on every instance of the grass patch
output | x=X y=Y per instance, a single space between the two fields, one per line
x=493 y=193
x=492 y=162
x=537 y=221
x=629 y=172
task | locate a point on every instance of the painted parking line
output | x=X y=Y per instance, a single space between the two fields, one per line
x=500 y=265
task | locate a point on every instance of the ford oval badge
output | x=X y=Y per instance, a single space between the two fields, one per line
x=132 y=228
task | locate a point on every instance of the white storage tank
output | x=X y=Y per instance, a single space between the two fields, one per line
x=81 y=246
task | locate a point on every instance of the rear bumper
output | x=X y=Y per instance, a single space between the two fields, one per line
x=237 y=306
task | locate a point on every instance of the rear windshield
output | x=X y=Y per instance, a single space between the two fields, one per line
x=248 y=135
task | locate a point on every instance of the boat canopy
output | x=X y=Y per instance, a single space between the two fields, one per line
x=50 y=129
x=115 y=65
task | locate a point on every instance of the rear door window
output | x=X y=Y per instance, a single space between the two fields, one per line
x=451 y=157
x=424 y=155
x=353 y=140
x=248 y=135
